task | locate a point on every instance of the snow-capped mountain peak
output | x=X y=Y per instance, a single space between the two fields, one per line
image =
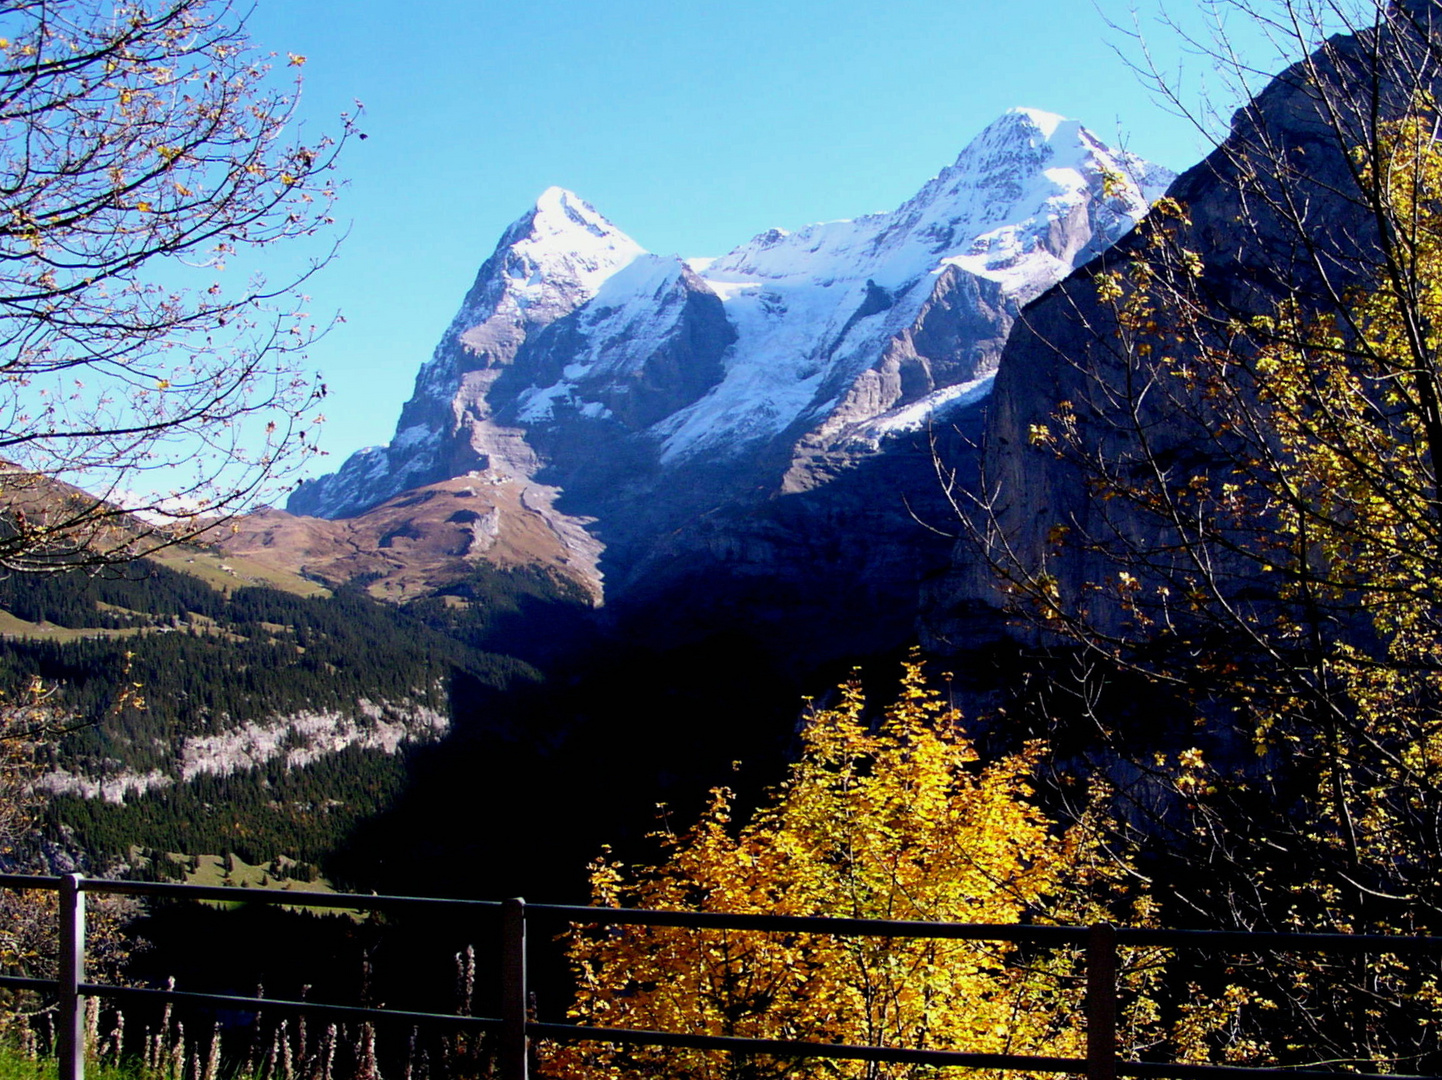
x=1044 y=122
x=1032 y=196
x=565 y=239
x=549 y=262
x=802 y=347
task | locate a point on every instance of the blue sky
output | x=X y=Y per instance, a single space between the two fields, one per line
x=692 y=126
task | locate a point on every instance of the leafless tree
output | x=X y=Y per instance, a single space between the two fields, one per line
x=143 y=391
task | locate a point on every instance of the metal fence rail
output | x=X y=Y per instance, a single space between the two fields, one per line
x=516 y=1031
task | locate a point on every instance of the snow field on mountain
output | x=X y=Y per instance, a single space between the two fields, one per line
x=791 y=295
x=916 y=416
x=631 y=316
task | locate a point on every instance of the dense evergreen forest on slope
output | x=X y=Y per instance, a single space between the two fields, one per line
x=522 y=611
x=524 y=706
x=219 y=676
x=147 y=592
x=258 y=813
x=521 y=706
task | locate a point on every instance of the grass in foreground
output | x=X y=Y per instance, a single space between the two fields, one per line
x=15 y=1065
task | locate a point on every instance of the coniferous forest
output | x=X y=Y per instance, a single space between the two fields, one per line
x=204 y=664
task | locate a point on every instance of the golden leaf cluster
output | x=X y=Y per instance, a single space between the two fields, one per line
x=900 y=820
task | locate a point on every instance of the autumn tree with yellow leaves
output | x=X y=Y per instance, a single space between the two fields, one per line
x=1256 y=422
x=1290 y=577
x=896 y=821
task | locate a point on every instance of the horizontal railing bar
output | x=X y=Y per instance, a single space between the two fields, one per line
x=899 y=1055
x=1240 y=940
x=776 y=1047
x=255 y=1005
x=841 y=926
x=1225 y=1072
x=20 y=982
x=818 y=924
x=792 y=1048
x=26 y=881
x=1277 y=941
x=230 y=894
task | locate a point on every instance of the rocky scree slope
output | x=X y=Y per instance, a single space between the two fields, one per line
x=762 y=414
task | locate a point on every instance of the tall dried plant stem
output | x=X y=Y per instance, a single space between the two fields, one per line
x=212 y=1059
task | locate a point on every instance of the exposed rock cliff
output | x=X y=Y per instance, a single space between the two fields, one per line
x=547 y=264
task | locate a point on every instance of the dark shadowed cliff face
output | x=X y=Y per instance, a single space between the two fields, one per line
x=1273 y=213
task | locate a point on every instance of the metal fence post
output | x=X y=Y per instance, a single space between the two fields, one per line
x=514 y=1051
x=1101 y=1003
x=71 y=1015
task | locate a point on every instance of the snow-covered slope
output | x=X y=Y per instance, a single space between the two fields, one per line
x=547 y=264
x=651 y=389
x=1023 y=204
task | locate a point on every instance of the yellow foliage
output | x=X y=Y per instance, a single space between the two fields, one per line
x=1274 y=563
x=900 y=821
x=1353 y=400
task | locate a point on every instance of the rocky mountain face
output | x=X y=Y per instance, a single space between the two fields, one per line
x=1271 y=214
x=763 y=417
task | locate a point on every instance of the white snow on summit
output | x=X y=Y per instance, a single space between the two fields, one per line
x=570 y=242
x=556 y=258
x=548 y=263
x=994 y=213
